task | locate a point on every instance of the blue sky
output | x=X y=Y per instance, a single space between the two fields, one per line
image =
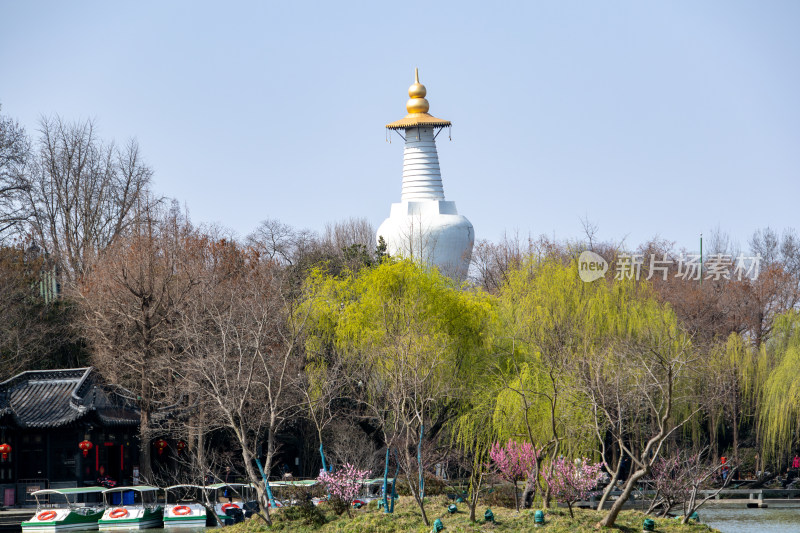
x=648 y=118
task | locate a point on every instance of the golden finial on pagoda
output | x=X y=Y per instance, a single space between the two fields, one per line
x=417 y=107
x=417 y=102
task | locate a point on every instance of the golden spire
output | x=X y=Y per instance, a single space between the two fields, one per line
x=417 y=102
x=417 y=107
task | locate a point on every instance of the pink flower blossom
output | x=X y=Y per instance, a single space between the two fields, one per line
x=515 y=461
x=344 y=483
x=572 y=481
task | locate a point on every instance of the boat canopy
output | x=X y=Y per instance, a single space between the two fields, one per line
x=185 y=486
x=231 y=485
x=71 y=490
x=297 y=483
x=375 y=481
x=137 y=488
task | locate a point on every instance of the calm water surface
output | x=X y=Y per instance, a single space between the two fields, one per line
x=742 y=520
x=728 y=519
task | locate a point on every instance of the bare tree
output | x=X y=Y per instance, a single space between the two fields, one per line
x=14 y=153
x=322 y=384
x=241 y=337
x=280 y=242
x=647 y=372
x=33 y=328
x=351 y=232
x=349 y=444
x=131 y=300
x=492 y=262
x=81 y=194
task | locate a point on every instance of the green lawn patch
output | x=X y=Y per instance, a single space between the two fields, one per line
x=407 y=518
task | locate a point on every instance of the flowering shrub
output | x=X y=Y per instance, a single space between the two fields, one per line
x=343 y=485
x=514 y=461
x=671 y=481
x=572 y=481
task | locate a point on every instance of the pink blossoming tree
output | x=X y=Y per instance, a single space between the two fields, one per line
x=343 y=485
x=515 y=461
x=572 y=481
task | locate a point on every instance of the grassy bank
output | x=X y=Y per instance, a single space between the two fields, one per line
x=406 y=518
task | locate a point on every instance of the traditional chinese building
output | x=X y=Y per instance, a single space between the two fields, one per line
x=424 y=226
x=62 y=428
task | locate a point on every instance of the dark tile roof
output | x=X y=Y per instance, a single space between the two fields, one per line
x=57 y=398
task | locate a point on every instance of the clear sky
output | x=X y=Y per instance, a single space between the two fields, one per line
x=649 y=118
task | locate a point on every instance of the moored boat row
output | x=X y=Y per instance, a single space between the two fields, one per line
x=139 y=507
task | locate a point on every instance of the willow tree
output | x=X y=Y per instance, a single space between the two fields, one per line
x=639 y=384
x=413 y=340
x=780 y=400
x=563 y=345
x=548 y=319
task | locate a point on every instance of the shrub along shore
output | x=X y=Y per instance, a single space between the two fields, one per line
x=406 y=518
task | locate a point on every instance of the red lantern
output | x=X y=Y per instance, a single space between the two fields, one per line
x=180 y=446
x=161 y=445
x=5 y=449
x=85 y=446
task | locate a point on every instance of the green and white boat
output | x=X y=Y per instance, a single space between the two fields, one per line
x=286 y=492
x=372 y=489
x=65 y=509
x=183 y=506
x=231 y=496
x=131 y=508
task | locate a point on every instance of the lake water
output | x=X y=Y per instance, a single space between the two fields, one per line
x=726 y=518
x=739 y=519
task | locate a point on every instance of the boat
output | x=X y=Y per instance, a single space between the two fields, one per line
x=134 y=507
x=287 y=492
x=63 y=510
x=233 y=501
x=187 y=510
x=371 y=489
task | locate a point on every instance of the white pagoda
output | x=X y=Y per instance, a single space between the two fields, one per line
x=424 y=226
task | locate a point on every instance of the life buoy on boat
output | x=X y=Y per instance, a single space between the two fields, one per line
x=181 y=510
x=118 y=512
x=47 y=515
x=227 y=506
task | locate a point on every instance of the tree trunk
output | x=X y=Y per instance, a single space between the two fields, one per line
x=475 y=481
x=529 y=493
x=419 y=465
x=735 y=423
x=385 y=480
x=712 y=438
x=611 y=517
x=145 y=466
x=258 y=482
x=516 y=496
x=413 y=488
x=546 y=499
x=200 y=455
x=611 y=484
